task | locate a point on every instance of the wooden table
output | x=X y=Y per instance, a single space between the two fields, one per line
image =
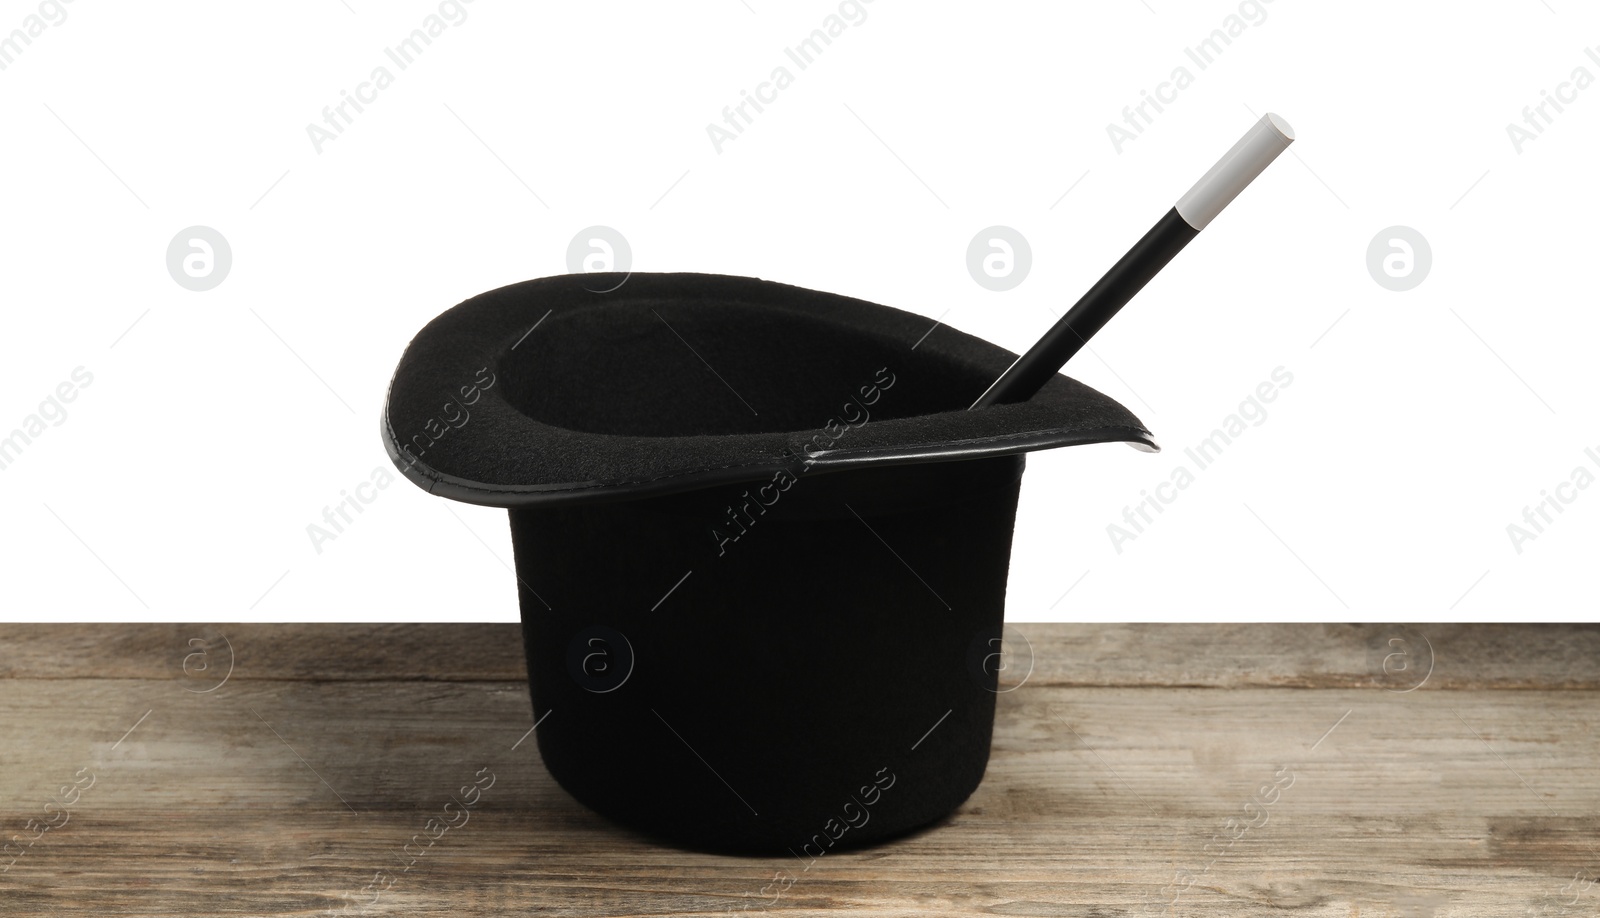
x=1335 y=770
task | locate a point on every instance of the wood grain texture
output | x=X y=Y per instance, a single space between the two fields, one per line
x=1128 y=755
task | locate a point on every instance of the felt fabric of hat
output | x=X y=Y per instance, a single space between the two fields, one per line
x=761 y=543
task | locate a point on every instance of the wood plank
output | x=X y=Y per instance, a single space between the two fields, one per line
x=1287 y=655
x=285 y=795
x=462 y=652
x=1291 y=655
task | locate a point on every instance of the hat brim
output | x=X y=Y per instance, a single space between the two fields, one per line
x=600 y=387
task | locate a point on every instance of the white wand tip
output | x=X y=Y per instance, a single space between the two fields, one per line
x=1236 y=169
x=1280 y=125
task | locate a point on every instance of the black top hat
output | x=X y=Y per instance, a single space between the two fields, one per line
x=761 y=542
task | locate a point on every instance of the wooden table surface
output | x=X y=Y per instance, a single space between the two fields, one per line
x=1327 y=770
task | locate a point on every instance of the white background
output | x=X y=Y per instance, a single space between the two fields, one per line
x=219 y=424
